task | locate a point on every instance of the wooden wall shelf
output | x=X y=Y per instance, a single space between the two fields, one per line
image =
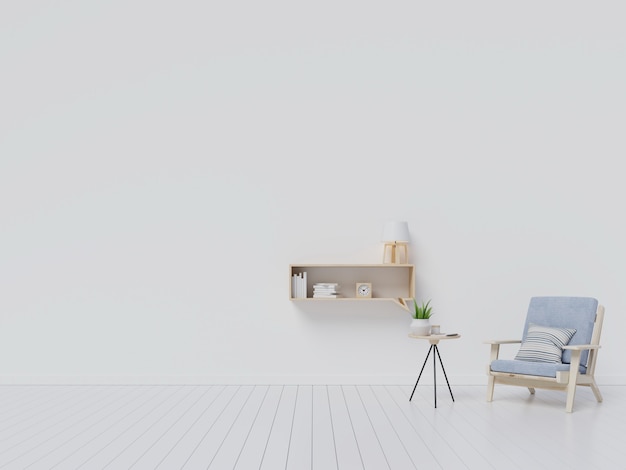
x=390 y=282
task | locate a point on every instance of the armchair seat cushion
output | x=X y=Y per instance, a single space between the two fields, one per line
x=544 y=369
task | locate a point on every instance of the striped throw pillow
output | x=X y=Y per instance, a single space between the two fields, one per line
x=544 y=344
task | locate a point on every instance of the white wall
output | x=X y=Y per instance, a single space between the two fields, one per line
x=162 y=164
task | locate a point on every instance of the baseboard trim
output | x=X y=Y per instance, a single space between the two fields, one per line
x=480 y=380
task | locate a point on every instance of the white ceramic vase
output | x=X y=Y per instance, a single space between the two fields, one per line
x=420 y=327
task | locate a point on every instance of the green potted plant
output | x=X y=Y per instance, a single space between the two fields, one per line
x=420 y=325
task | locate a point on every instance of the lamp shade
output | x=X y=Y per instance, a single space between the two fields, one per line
x=396 y=232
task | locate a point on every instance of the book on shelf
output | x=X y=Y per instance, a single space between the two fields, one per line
x=327 y=296
x=328 y=290
x=298 y=285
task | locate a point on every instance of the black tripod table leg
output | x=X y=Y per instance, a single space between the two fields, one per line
x=435 y=374
x=444 y=372
x=422 y=370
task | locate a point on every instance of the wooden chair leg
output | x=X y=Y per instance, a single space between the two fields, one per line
x=571 y=383
x=490 y=385
x=493 y=355
x=571 y=393
x=596 y=391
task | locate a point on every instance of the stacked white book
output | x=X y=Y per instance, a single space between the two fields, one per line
x=298 y=285
x=326 y=290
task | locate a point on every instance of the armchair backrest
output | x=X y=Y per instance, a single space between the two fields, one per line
x=565 y=312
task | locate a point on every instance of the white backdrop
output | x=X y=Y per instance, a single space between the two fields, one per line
x=162 y=164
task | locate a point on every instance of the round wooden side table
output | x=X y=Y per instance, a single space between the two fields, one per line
x=434 y=349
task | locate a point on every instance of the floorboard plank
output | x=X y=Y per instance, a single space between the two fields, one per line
x=323 y=439
x=299 y=456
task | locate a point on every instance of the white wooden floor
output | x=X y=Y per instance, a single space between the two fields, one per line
x=307 y=427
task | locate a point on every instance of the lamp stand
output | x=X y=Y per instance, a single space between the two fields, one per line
x=395 y=252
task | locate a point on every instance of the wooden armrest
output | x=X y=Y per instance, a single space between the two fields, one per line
x=503 y=341
x=581 y=347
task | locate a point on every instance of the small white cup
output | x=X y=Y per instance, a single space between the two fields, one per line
x=435 y=329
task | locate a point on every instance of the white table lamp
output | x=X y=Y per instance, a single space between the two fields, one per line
x=396 y=237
